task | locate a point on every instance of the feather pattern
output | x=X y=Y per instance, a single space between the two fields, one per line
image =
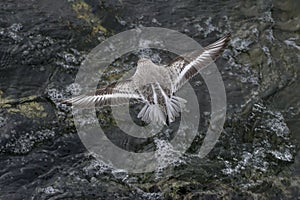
x=155 y=85
x=204 y=58
x=117 y=93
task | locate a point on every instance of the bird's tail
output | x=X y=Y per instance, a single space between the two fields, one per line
x=152 y=113
x=174 y=106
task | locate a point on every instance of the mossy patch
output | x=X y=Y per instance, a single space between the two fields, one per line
x=6 y=102
x=29 y=110
x=105 y=118
x=84 y=12
x=25 y=106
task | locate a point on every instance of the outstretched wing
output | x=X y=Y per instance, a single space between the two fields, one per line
x=114 y=94
x=186 y=70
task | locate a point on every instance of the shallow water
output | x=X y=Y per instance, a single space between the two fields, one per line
x=42 y=46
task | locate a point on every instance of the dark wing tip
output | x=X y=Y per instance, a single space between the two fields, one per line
x=227 y=38
x=219 y=46
x=222 y=42
x=71 y=101
x=66 y=101
x=228 y=35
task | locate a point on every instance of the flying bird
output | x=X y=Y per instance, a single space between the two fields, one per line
x=155 y=85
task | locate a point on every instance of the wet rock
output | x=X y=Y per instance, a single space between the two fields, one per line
x=41 y=53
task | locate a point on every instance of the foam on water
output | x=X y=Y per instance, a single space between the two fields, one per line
x=166 y=156
x=12 y=32
x=241 y=44
x=24 y=143
x=51 y=190
x=284 y=154
x=96 y=168
x=74 y=89
x=70 y=59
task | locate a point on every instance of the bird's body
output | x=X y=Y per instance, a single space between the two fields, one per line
x=155 y=85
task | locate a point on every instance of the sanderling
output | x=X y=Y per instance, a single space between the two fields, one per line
x=155 y=85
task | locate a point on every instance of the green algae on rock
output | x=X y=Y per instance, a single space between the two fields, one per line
x=84 y=12
x=27 y=106
x=29 y=110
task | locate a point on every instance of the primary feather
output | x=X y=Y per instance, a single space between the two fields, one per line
x=155 y=85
